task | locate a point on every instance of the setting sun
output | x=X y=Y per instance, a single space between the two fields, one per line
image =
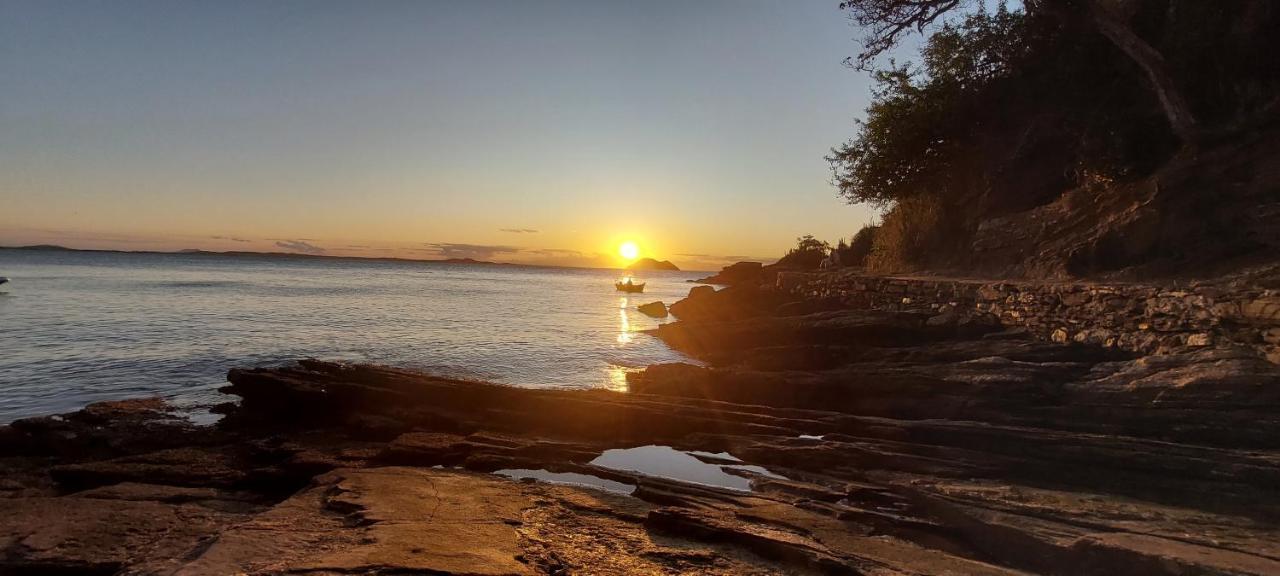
x=629 y=250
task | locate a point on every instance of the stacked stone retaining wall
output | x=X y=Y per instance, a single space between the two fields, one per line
x=1141 y=318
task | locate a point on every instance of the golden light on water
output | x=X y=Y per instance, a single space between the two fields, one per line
x=616 y=379
x=629 y=250
x=624 y=328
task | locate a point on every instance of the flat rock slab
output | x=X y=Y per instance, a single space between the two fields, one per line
x=380 y=519
x=102 y=536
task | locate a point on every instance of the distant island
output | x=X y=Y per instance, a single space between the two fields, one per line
x=198 y=252
x=651 y=264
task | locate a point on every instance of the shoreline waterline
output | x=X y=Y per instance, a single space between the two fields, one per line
x=83 y=327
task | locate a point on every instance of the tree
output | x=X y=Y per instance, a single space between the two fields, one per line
x=890 y=20
x=1109 y=19
x=925 y=123
x=808 y=243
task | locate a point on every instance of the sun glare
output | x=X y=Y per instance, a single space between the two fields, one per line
x=629 y=250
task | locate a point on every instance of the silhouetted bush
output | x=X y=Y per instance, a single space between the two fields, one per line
x=911 y=234
x=807 y=255
x=855 y=251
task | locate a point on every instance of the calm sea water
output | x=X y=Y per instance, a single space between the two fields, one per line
x=79 y=327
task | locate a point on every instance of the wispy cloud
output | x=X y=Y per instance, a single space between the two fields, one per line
x=301 y=246
x=231 y=238
x=475 y=251
x=714 y=260
x=556 y=252
x=724 y=258
x=518 y=230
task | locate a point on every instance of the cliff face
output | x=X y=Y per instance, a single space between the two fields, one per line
x=1205 y=214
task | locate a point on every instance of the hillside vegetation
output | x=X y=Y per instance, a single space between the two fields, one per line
x=1066 y=138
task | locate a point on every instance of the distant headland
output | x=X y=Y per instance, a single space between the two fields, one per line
x=651 y=264
x=291 y=255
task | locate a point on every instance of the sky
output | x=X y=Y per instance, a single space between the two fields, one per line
x=539 y=132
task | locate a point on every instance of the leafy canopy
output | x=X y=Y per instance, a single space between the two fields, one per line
x=919 y=116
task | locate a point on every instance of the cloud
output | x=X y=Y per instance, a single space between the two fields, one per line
x=300 y=246
x=726 y=258
x=231 y=238
x=475 y=251
x=556 y=252
x=518 y=230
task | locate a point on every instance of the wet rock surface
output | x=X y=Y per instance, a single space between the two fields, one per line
x=872 y=442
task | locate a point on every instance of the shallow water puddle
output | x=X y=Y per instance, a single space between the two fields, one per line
x=568 y=478
x=667 y=462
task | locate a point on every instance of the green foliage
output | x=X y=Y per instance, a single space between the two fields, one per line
x=921 y=120
x=1008 y=109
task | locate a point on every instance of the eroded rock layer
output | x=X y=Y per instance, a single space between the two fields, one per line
x=873 y=442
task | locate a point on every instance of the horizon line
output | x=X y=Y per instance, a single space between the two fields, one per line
x=199 y=251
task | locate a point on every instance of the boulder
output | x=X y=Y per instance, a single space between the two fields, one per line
x=698 y=292
x=653 y=309
x=743 y=300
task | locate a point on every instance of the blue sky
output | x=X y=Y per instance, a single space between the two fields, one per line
x=520 y=131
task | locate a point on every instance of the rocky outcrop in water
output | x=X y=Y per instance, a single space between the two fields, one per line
x=653 y=309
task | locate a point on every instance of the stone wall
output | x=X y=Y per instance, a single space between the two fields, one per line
x=1142 y=318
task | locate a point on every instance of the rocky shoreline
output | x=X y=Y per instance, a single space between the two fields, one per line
x=872 y=442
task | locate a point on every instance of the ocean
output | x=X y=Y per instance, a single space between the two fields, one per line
x=80 y=327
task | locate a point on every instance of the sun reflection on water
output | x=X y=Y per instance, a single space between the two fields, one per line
x=617 y=379
x=624 y=323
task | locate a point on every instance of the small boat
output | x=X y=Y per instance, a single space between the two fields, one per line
x=3 y=279
x=628 y=286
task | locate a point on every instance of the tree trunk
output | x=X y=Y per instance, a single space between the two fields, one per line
x=1152 y=63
